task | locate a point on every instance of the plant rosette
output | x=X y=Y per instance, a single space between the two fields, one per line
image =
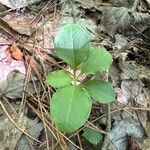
x=70 y=105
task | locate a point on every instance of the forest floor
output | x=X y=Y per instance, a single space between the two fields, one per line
x=28 y=29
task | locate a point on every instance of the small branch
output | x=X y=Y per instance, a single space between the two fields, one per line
x=135 y=5
x=105 y=144
x=73 y=11
x=15 y=124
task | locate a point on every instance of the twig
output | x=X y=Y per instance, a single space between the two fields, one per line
x=135 y=5
x=9 y=117
x=73 y=11
x=78 y=136
x=28 y=76
x=48 y=124
x=105 y=144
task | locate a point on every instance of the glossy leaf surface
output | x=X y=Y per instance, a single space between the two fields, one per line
x=99 y=60
x=70 y=108
x=58 y=78
x=100 y=90
x=72 y=44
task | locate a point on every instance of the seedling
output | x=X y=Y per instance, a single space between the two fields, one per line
x=71 y=104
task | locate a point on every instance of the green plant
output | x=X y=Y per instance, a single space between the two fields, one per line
x=70 y=105
x=93 y=136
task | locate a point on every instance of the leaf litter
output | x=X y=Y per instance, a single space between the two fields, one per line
x=119 y=26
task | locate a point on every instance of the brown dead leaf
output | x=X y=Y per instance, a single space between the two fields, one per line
x=19 y=22
x=15 y=4
x=16 y=52
x=33 y=128
x=7 y=64
x=116 y=18
x=118 y=136
x=9 y=133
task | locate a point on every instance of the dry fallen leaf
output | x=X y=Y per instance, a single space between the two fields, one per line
x=7 y=64
x=9 y=133
x=20 y=23
x=115 y=18
x=15 y=4
x=118 y=136
x=16 y=52
x=12 y=75
x=34 y=128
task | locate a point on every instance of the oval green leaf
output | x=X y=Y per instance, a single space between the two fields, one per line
x=100 y=90
x=72 y=44
x=58 y=78
x=99 y=60
x=70 y=108
x=92 y=136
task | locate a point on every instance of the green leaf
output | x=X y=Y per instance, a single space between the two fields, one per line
x=100 y=90
x=70 y=108
x=58 y=78
x=99 y=60
x=72 y=44
x=92 y=136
